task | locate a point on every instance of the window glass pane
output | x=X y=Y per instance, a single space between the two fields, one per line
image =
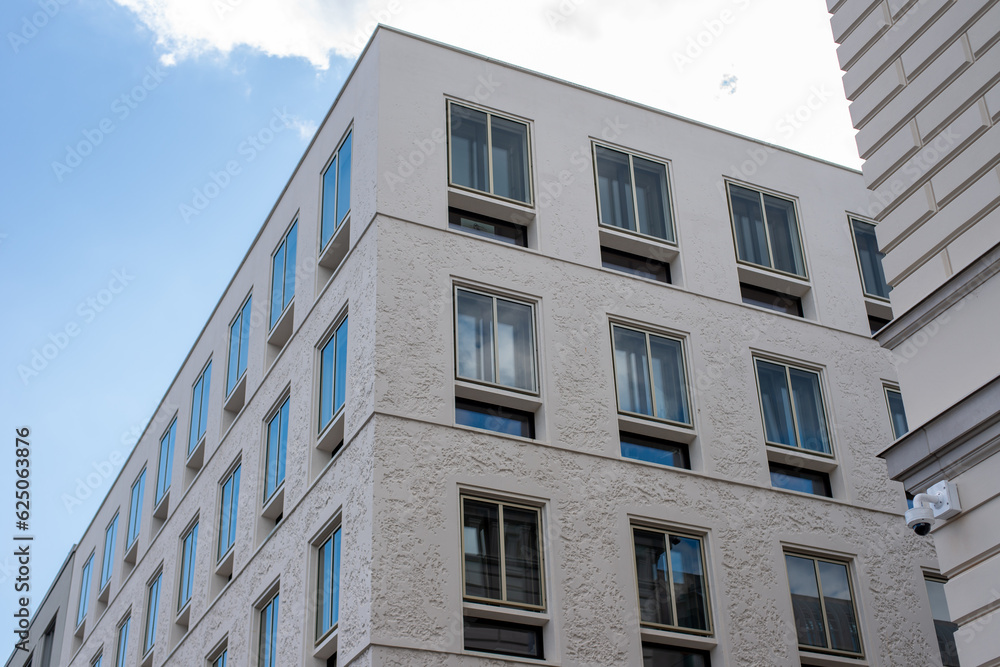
x=244 y=337
x=786 y=251
x=809 y=411
x=489 y=636
x=805 y=601
x=515 y=345
x=498 y=230
x=203 y=413
x=775 y=403
x=644 y=267
x=689 y=582
x=189 y=549
x=748 y=220
x=776 y=301
x=193 y=434
x=654 y=451
x=494 y=418
x=943 y=626
x=839 y=604
x=85 y=577
x=651 y=575
x=632 y=371
x=163 y=470
x=234 y=354
x=228 y=512
x=326 y=375
x=329 y=224
x=469 y=148
x=267 y=652
x=475 y=336
x=614 y=188
x=340 y=383
x=344 y=180
x=110 y=537
x=328 y=581
x=870 y=259
x=277 y=439
x=652 y=199
x=290 y=243
x=152 y=607
x=897 y=413
x=481 y=544
x=510 y=159
x=220 y=661
x=135 y=510
x=798 y=479
x=522 y=559
x=656 y=655
x=277 y=283
x=668 y=379
x=120 y=658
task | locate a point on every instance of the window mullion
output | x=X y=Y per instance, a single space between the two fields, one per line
x=791 y=403
x=649 y=374
x=495 y=325
x=635 y=200
x=767 y=231
x=489 y=149
x=670 y=581
x=822 y=606
x=503 y=555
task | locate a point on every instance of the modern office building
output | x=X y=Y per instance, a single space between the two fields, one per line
x=924 y=83
x=517 y=372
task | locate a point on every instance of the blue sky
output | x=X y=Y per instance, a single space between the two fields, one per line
x=117 y=113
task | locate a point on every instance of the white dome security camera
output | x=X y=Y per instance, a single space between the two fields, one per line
x=920 y=519
x=940 y=502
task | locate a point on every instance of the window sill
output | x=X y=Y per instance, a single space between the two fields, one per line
x=197 y=455
x=878 y=308
x=275 y=504
x=810 y=659
x=234 y=402
x=773 y=280
x=502 y=613
x=801 y=459
x=78 y=632
x=131 y=552
x=680 y=639
x=638 y=244
x=224 y=568
x=147 y=659
x=105 y=593
x=327 y=645
x=162 y=507
x=492 y=394
x=184 y=615
x=656 y=429
x=491 y=206
x=333 y=434
x=336 y=248
x=282 y=329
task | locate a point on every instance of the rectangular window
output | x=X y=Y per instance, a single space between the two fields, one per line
x=189 y=547
x=943 y=626
x=277 y=442
x=495 y=418
x=199 y=408
x=791 y=402
x=220 y=660
x=47 y=640
x=135 y=510
x=644 y=267
x=495 y=340
x=823 y=604
x=121 y=655
x=163 y=469
x=239 y=344
x=85 y=577
x=328 y=585
x=96 y=662
x=649 y=373
x=502 y=550
x=108 y=566
x=767 y=231
x=489 y=153
x=776 y=301
x=658 y=655
x=491 y=228
x=655 y=450
x=897 y=415
x=336 y=191
x=283 y=275
x=228 y=512
x=869 y=259
x=672 y=587
x=152 y=610
x=333 y=375
x=800 y=479
x=267 y=651
x=490 y=636
x=633 y=194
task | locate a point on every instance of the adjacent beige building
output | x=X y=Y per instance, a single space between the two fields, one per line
x=517 y=372
x=924 y=83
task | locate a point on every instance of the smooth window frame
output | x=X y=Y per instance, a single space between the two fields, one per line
x=121 y=640
x=647 y=332
x=631 y=155
x=152 y=612
x=274 y=416
x=135 y=510
x=271 y=605
x=886 y=388
x=241 y=375
x=819 y=372
x=233 y=475
x=83 y=604
x=275 y=317
x=851 y=219
x=200 y=389
x=110 y=541
x=767 y=233
x=339 y=222
x=186 y=565
x=848 y=565
x=332 y=536
x=332 y=337
x=164 y=475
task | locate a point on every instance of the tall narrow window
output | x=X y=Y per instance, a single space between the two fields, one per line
x=670 y=572
x=189 y=545
x=503 y=553
x=489 y=153
x=85 y=577
x=328 y=585
x=897 y=415
x=199 y=408
x=943 y=626
x=495 y=340
x=283 y=275
x=135 y=510
x=267 y=650
x=277 y=442
x=239 y=344
x=96 y=662
x=121 y=654
x=632 y=193
x=823 y=604
x=767 y=231
x=649 y=372
x=108 y=566
x=333 y=375
x=336 y=191
x=47 y=640
x=220 y=660
x=228 y=512
x=791 y=402
x=163 y=470
x=869 y=259
x=152 y=612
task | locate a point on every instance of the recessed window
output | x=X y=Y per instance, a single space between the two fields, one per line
x=659 y=655
x=632 y=193
x=163 y=470
x=644 y=267
x=943 y=626
x=199 y=408
x=277 y=444
x=336 y=191
x=823 y=604
x=502 y=637
x=491 y=228
x=121 y=654
x=135 y=510
x=328 y=585
x=239 y=345
x=267 y=649
x=767 y=231
x=333 y=375
x=189 y=547
x=800 y=479
x=672 y=587
x=495 y=340
x=98 y=659
x=770 y=299
x=489 y=153
x=650 y=376
x=655 y=450
x=875 y=324
x=897 y=415
x=220 y=660
x=869 y=259
x=152 y=610
x=228 y=512
x=791 y=402
x=494 y=418
x=85 y=577
x=283 y=275
x=110 y=537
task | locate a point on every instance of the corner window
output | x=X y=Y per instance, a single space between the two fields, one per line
x=267 y=648
x=766 y=230
x=152 y=610
x=189 y=546
x=495 y=341
x=897 y=415
x=85 y=577
x=670 y=575
x=110 y=536
x=283 y=275
x=943 y=626
x=277 y=443
x=791 y=403
x=869 y=259
x=135 y=510
x=336 y=191
x=328 y=585
x=239 y=344
x=163 y=470
x=633 y=194
x=199 y=408
x=228 y=512
x=823 y=604
x=333 y=375
x=650 y=375
x=489 y=153
x=121 y=654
